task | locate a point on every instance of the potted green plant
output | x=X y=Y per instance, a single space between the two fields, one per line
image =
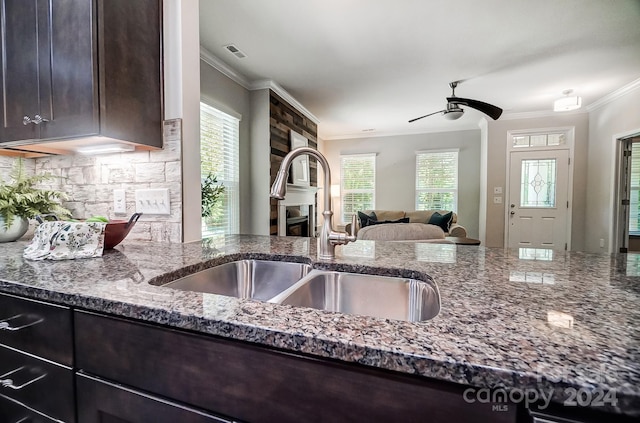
x=20 y=199
x=211 y=193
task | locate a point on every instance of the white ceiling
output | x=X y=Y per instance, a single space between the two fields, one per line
x=361 y=64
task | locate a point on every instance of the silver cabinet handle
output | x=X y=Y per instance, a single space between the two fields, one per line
x=8 y=383
x=37 y=119
x=26 y=120
x=6 y=323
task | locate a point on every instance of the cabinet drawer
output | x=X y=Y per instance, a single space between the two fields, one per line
x=38 y=384
x=257 y=384
x=38 y=328
x=13 y=412
x=100 y=401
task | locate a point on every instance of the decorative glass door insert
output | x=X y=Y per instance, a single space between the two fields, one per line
x=538 y=183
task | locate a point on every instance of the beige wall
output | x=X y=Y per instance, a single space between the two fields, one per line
x=260 y=162
x=182 y=100
x=232 y=98
x=616 y=119
x=497 y=168
x=395 y=169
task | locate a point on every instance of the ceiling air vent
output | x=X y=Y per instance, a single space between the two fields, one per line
x=235 y=51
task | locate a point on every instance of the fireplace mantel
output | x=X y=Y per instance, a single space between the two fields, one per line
x=297 y=195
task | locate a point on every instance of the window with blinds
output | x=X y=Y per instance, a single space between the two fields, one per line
x=219 y=155
x=634 y=190
x=437 y=180
x=357 y=184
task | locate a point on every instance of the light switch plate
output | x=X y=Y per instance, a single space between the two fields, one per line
x=497 y=190
x=153 y=201
x=119 y=201
x=497 y=200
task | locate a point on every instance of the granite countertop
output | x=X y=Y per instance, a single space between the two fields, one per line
x=497 y=326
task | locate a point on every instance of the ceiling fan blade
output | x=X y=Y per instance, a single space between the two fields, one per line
x=492 y=111
x=434 y=113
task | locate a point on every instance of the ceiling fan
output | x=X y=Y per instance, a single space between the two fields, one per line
x=454 y=111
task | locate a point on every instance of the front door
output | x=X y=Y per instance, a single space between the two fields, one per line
x=538 y=199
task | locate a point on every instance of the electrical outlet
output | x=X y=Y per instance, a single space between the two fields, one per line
x=119 y=201
x=153 y=201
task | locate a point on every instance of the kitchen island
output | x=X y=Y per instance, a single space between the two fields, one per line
x=533 y=322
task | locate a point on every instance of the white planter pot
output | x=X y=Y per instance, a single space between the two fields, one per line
x=17 y=229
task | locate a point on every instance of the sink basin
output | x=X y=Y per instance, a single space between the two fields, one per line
x=257 y=279
x=378 y=296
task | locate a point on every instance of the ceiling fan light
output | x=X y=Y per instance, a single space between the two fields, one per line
x=453 y=114
x=564 y=104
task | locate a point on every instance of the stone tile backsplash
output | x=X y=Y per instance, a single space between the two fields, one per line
x=90 y=180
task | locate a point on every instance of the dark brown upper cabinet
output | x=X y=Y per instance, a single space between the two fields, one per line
x=80 y=68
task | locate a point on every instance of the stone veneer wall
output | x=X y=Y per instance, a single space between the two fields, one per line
x=90 y=180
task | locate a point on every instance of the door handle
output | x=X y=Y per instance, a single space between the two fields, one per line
x=37 y=119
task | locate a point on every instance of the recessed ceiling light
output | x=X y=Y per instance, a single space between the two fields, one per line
x=235 y=51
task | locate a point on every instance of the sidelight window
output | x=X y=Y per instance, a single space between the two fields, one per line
x=219 y=155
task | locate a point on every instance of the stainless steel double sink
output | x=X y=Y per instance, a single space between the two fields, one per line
x=300 y=285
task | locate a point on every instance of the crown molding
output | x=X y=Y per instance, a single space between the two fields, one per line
x=365 y=135
x=213 y=61
x=540 y=114
x=621 y=92
x=275 y=87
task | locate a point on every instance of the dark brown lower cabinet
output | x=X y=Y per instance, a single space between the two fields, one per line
x=257 y=384
x=12 y=411
x=100 y=401
x=39 y=384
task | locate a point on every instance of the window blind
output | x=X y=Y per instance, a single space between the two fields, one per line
x=437 y=180
x=357 y=184
x=634 y=190
x=219 y=155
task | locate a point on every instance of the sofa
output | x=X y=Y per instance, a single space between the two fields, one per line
x=397 y=225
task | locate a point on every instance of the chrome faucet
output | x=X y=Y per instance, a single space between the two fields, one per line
x=328 y=237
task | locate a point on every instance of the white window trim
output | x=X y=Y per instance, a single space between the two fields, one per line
x=358 y=191
x=455 y=191
x=233 y=209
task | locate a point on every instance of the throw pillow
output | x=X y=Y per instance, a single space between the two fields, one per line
x=442 y=220
x=380 y=222
x=366 y=218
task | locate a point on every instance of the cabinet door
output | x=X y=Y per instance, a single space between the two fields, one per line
x=37 y=328
x=39 y=384
x=100 y=401
x=19 y=71
x=49 y=69
x=12 y=411
x=130 y=50
x=69 y=92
